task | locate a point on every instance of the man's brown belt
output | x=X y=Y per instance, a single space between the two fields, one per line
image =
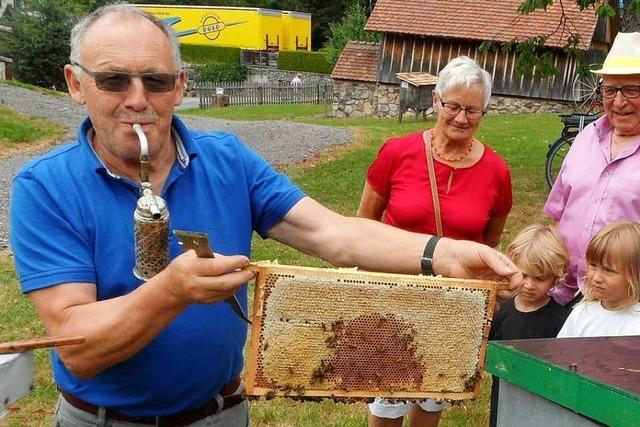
x=180 y=419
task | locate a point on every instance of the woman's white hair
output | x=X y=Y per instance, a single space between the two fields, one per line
x=464 y=71
x=80 y=29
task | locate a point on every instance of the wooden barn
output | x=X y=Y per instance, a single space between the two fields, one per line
x=423 y=35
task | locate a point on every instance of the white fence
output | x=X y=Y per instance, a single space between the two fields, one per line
x=265 y=93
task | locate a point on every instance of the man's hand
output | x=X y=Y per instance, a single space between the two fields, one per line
x=465 y=259
x=117 y=328
x=190 y=279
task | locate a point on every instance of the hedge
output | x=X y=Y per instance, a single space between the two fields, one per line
x=195 y=54
x=314 y=62
x=219 y=72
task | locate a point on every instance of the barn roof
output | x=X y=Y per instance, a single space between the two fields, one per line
x=491 y=20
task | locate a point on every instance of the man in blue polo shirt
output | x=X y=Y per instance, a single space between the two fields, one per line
x=165 y=351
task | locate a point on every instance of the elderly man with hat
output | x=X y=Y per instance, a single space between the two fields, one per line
x=599 y=181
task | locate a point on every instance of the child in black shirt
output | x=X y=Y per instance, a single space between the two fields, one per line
x=542 y=257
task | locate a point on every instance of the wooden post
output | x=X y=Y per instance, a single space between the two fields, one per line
x=325 y=98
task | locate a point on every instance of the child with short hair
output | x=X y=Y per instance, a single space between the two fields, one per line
x=611 y=303
x=541 y=255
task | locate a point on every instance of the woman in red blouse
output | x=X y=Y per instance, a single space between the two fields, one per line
x=473 y=182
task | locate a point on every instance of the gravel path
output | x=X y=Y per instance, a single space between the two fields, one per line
x=280 y=142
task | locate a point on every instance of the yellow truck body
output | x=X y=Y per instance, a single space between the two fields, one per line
x=296 y=30
x=244 y=27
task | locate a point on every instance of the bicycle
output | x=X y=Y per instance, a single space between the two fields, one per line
x=573 y=124
x=588 y=102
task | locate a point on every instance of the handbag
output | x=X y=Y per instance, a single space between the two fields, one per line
x=434 y=189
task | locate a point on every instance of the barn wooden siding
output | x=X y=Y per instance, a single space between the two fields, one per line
x=400 y=53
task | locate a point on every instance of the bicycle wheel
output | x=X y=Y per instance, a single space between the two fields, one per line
x=555 y=156
x=586 y=97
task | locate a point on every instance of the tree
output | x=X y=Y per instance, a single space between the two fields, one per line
x=39 y=43
x=532 y=53
x=350 y=28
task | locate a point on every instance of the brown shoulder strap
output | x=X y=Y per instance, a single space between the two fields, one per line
x=434 y=186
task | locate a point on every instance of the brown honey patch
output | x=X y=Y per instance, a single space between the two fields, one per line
x=372 y=351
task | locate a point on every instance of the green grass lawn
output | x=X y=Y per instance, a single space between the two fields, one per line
x=334 y=178
x=18 y=131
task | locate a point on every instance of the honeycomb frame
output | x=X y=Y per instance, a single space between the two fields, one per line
x=348 y=334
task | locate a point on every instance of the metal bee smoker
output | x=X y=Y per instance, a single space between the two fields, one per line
x=151 y=219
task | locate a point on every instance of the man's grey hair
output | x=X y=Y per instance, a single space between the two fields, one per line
x=78 y=32
x=464 y=71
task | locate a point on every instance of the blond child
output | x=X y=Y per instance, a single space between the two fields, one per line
x=540 y=254
x=611 y=303
x=542 y=257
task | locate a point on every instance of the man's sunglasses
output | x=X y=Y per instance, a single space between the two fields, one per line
x=116 y=81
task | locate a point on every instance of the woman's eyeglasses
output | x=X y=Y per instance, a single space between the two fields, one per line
x=629 y=91
x=454 y=108
x=116 y=81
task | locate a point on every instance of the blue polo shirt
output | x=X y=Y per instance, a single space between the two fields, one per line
x=72 y=221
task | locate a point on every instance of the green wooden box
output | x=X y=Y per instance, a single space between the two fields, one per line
x=598 y=378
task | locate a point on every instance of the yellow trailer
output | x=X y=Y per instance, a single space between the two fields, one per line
x=244 y=27
x=296 y=30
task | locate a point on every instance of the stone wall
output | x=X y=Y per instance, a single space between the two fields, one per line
x=365 y=99
x=513 y=105
x=362 y=99
x=259 y=74
x=273 y=75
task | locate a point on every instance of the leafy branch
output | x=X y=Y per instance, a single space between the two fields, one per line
x=533 y=57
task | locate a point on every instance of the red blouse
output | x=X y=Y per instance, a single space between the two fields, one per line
x=469 y=197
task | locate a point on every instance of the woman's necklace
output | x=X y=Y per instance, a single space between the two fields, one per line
x=446 y=159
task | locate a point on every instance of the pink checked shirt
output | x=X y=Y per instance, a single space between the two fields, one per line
x=590 y=192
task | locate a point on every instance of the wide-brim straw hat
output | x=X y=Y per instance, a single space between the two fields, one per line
x=624 y=56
